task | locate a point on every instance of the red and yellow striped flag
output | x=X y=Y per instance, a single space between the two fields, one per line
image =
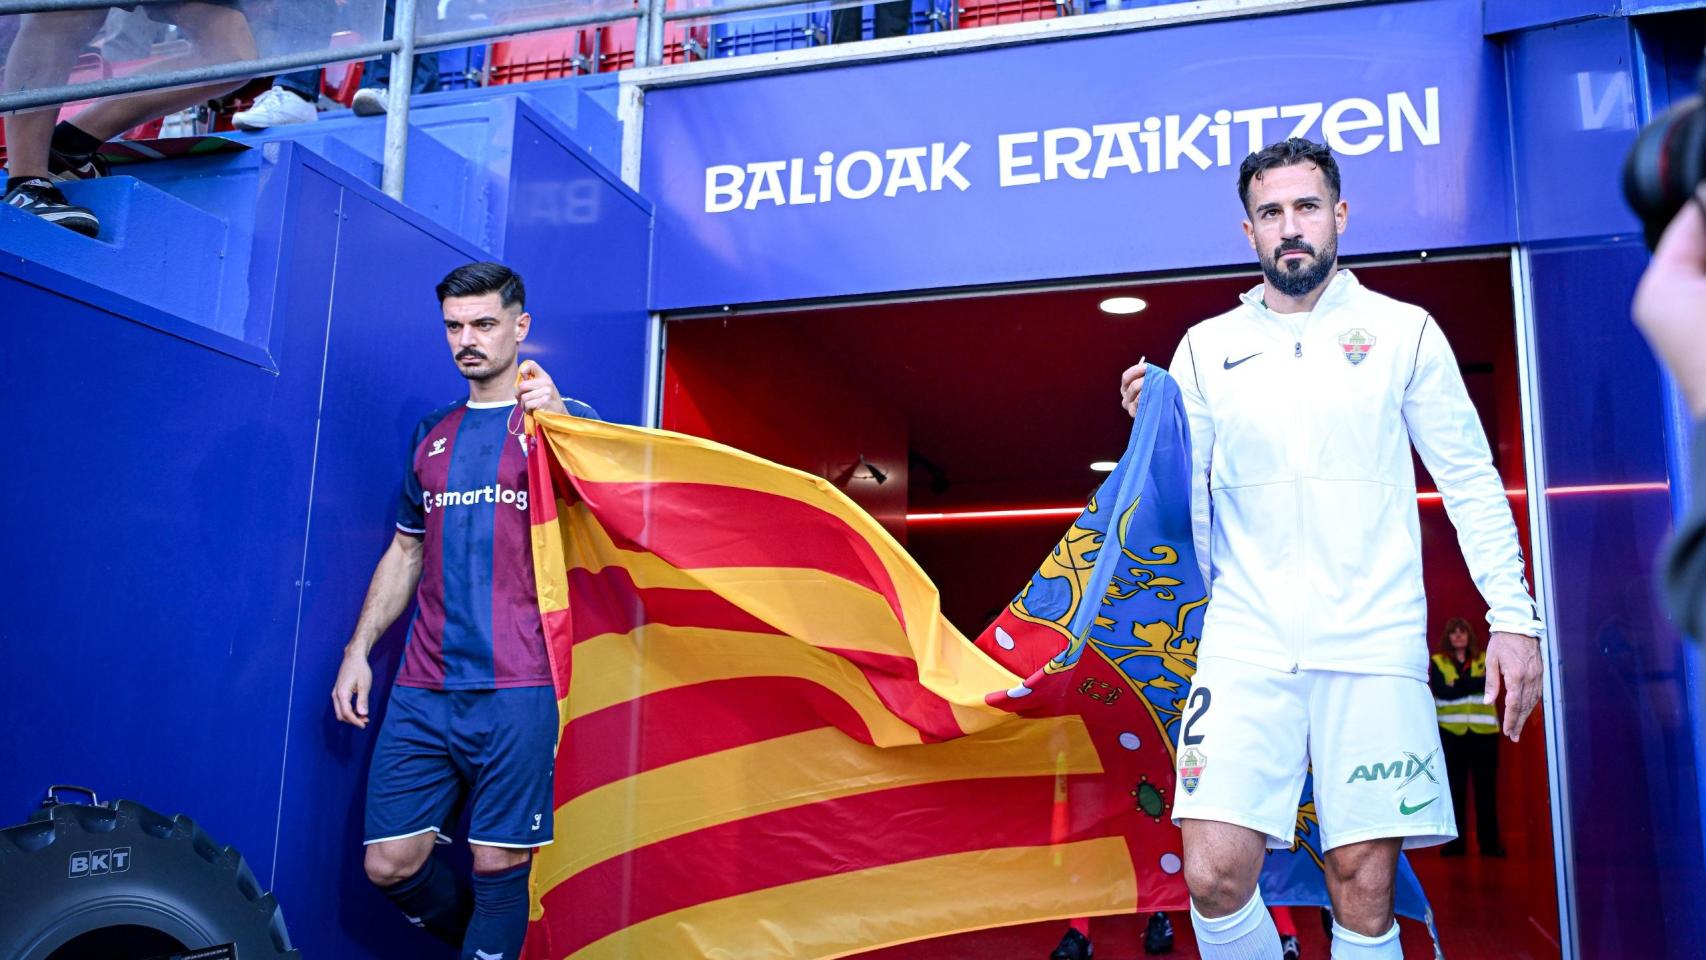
x=775 y=746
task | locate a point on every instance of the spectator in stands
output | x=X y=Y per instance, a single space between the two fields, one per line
x=40 y=154
x=128 y=35
x=891 y=19
x=294 y=97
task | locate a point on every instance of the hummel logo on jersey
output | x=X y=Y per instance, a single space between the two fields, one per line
x=1409 y=811
x=438 y=446
x=414 y=920
x=536 y=818
x=483 y=955
x=1410 y=769
x=1229 y=363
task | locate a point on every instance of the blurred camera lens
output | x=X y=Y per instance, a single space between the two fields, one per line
x=1667 y=164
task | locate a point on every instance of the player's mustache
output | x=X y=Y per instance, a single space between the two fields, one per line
x=1288 y=245
x=471 y=352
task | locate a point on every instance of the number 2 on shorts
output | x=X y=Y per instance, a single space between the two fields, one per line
x=1200 y=699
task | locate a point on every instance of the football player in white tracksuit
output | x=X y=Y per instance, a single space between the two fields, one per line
x=1303 y=403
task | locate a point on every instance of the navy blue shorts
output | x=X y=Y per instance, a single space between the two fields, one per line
x=437 y=748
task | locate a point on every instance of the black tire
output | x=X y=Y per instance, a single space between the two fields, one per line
x=161 y=877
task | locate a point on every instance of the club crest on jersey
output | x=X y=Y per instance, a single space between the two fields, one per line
x=1191 y=763
x=1356 y=343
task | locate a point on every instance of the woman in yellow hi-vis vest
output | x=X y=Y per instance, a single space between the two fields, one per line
x=1469 y=734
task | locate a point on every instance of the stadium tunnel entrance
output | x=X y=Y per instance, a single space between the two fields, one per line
x=967 y=425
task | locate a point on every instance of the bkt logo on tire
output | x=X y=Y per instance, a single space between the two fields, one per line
x=95 y=863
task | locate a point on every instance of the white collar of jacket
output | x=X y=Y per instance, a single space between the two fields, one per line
x=1340 y=289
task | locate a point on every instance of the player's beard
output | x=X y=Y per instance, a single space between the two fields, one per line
x=1295 y=279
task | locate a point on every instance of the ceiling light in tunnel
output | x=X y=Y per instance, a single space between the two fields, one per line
x=1103 y=466
x=1122 y=305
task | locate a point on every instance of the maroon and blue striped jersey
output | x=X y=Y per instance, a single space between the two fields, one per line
x=476 y=623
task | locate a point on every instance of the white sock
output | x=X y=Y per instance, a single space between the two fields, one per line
x=1350 y=945
x=1246 y=934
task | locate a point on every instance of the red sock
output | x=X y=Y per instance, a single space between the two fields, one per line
x=1282 y=921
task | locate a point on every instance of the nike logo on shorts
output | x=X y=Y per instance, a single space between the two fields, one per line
x=1229 y=363
x=1407 y=810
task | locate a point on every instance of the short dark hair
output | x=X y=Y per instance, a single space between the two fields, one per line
x=1285 y=153
x=474 y=279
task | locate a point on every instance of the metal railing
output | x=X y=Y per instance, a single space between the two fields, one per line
x=650 y=15
x=405 y=39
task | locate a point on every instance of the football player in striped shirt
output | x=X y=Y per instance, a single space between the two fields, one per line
x=473 y=715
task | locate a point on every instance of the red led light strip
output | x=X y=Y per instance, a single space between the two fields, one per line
x=1036 y=513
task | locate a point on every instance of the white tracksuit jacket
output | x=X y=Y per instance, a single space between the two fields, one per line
x=1303 y=497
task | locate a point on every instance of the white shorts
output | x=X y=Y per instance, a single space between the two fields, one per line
x=1250 y=734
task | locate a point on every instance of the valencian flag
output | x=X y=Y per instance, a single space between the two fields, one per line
x=775 y=746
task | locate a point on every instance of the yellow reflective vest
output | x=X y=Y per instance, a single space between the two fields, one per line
x=1464 y=714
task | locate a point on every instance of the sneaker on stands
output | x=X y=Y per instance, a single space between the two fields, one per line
x=38 y=197
x=1289 y=948
x=370 y=101
x=277 y=107
x=63 y=167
